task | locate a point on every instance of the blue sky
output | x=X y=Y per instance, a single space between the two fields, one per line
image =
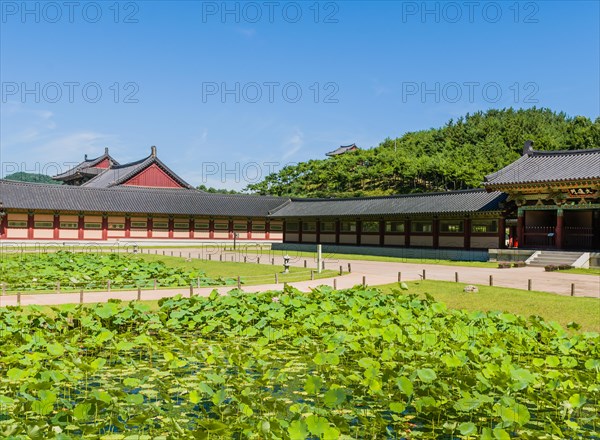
x=229 y=91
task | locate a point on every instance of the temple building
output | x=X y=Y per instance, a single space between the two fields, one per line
x=544 y=200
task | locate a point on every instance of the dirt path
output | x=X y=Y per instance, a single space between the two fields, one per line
x=374 y=273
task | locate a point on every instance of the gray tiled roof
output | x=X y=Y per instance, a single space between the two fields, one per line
x=116 y=175
x=341 y=150
x=121 y=199
x=85 y=167
x=468 y=201
x=548 y=166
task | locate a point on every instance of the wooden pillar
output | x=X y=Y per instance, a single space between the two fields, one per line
x=435 y=227
x=467 y=233
x=249 y=229
x=230 y=229
x=3 y=224
x=558 y=236
x=596 y=229
x=337 y=231
x=300 y=231
x=191 y=228
x=149 y=226
x=268 y=230
x=381 y=232
x=104 y=226
x=56 y=226
x=211 y=228
x=30 y=225
x=358 y=231
x=80 y=226
x=502 y=233
x=407 y=233
x=520 y=227
x=171 y=226
x=127 y=226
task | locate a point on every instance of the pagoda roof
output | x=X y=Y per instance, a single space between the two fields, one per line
x=129 y=199
x=547 y=166
x=120 y=174
x=86 y=167
x=342 y=149
x=449 y=202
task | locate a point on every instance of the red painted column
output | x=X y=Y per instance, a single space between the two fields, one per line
x=559 y=229
x=56 y=226
x=407 y=233
x=149 y=226
x=337 y=231
x=230 y=229
x=249 y=229
x=267 y=229
x=127 y=226
x=211 y=229
x=171 y=227
x=502 y=233
x=436 y=233
x=467 y=233
x=30 y=225
x=381 y=232
x=4 y=225
x=191 y=228
x=104 y=227
x=520 y=228
x=80 y=226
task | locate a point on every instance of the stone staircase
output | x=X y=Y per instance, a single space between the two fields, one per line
x=544 y=258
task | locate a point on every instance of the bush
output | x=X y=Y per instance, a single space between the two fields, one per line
x=519 y=264
x=503 y=265
x=565 y=267
x=551 y=268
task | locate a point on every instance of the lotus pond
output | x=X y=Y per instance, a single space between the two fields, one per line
x=42 y=271
x=356 y=363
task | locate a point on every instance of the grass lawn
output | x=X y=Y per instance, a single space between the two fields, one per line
x=592 y=271
x=552 y=307
x=334 y=257
x=251 y=273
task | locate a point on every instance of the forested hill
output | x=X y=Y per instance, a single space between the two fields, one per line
x=456 y=156
x=32 y=178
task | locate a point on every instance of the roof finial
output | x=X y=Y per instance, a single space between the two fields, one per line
x=528 y=147
x=106 y=150
x=153 y=150
x=85 y=157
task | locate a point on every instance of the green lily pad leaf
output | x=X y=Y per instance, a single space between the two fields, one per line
x=298 y=430
x=426 y=375
x=334 y=397
x=397 y=407
x=316 y=424
x=313 y=384
x=467 y=428
x=405 y=385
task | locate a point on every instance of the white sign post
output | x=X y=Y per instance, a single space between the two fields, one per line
x=319 y=265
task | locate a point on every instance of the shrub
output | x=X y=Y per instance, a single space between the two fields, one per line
x=551 y=268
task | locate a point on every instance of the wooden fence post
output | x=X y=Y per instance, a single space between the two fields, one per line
x=305 y=264
x=139 y=293
x=239 y=282
x=191 y=290
x=276 y=278
x=491 y=280
x=456 y=277
x=245 y=258
x=341 y=271
x=273 y=261
x=209 y=257
x=349 y=268
x=364 y=281
x=323 y=264
x=18 y=297
x=572 y=289
x=81 y=296
x=58 y=287
x=335 y=284
x=312 y=275
x=399 y=277
x=529 y=284
x=424 y=275
x=108 y=286
x=257 y=260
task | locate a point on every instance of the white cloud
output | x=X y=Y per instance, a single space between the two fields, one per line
x=293 y=144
